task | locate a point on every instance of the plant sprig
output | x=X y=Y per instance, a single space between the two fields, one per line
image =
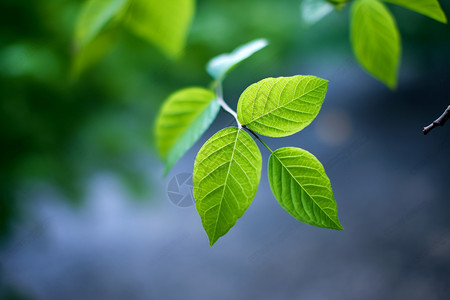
x=227 y=169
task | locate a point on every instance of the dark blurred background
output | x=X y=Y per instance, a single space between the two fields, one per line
x=84 y=206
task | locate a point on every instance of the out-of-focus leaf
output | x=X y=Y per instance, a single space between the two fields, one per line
x=163 y=23
x=429 y=8
x=226 y=175
x=339 y=4
x=312 y=11
x=93 y=52
x=183 y=118
x=281 y=106
x=376 y=40
x=220 y=65
x=301 y=186
x=95 y=14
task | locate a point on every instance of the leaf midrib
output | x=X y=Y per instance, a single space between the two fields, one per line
x=287 y=103
x=224 y=188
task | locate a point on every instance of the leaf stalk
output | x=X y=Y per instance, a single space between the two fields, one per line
x=256 y=136
x=224 y=105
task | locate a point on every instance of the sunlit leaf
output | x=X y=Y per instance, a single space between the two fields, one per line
x=226 y=176
x=95 y=14
x=163 y=23
x=222 y=64
x=376 y=40
x=429 y=8
x=183 y=118
x=281 y=106
x=312 y=11
x=301 y=186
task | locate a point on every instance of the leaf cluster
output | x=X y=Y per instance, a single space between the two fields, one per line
x=227 y=169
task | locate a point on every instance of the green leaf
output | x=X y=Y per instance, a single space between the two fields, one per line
x=281 y=106
x=301 y=186
x=312 y=11
x=429 y=8
x=94 y=15
x=220 y=65
x=93 y=52
x=182 y=120
x=163 y=23
x=226 y=176
x=376 y=40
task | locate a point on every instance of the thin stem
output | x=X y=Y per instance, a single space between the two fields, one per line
x=224 y=105
x=438 y=122
x=228 y=109
x=256 y=136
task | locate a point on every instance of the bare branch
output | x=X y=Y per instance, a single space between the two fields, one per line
x=439 y=121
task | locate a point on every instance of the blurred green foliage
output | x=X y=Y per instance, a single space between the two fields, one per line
x=163 y=24
x=59 y=132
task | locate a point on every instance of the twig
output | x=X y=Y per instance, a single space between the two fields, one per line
x=439 y=121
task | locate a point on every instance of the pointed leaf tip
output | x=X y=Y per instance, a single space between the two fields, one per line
x=429 y=8
x=376 y=40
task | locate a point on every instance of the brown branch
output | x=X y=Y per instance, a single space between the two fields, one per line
x=439 y=121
